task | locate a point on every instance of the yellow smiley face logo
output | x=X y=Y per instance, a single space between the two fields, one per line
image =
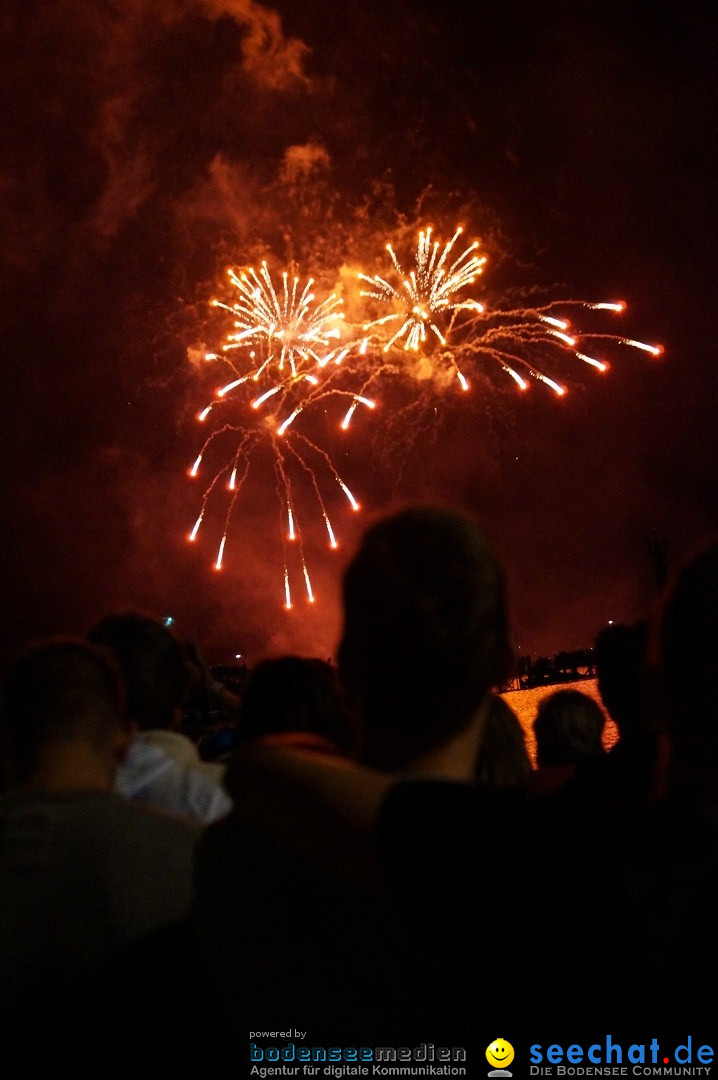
x=500 y=1053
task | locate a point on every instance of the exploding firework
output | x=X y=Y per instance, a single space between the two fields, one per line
x=284 y=354
x=430 y=291
x=457 y=333
x=296 y=331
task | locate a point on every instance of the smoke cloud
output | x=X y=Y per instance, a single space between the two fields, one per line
x=147 y=145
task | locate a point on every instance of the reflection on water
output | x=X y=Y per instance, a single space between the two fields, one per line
x=526 y=702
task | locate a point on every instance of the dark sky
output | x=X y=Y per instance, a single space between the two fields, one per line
x=147 y=144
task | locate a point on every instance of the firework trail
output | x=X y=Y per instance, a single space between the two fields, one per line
x=431 y=315
x=284 y=354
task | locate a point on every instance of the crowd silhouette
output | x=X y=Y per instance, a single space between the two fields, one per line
x=365 y=853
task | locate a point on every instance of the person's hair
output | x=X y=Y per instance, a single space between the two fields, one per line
x=292 y=693
x=503 y=762
x=425 y=635
x=620 y=653
x=688 y=644
x=152 y=663
x=568 y=729
x=58 y=691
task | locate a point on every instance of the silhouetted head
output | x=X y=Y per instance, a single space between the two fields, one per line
x=292 y=693
x=568 y=729
x=689 y=657
x=59 y=693
x=152 y=664
x=620 y=664
x=425 y=634
x=503 y=763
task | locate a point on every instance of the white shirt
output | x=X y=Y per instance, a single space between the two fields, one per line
x=164 y=769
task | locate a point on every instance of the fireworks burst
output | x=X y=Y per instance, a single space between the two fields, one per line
x=456 y=333
x=429 y=291
x=294 y=330
x=284 y=353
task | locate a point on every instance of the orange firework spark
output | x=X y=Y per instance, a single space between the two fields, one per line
x=293 y=328
x=456 y=331
x=429 y=291
x=299 y=355
x=285 y=354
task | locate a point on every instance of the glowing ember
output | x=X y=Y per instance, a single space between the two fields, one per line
x=295 y=331
x=428 y=292
x=450 y=330
x=281 y=344
x=285 y=355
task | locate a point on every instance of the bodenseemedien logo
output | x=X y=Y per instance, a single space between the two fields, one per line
x=499 y=1054
x=300 y=1060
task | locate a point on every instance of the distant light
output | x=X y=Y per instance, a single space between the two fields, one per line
x=238 y=656
x=169 y=621
x=610 y=622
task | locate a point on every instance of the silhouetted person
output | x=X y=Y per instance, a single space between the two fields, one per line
x=632 y=770
x=503 y=763
x=675 y=868
x=211 y=705
x=653 y=892
x=689 y=675
x=362 y=918
x=294 y=701
x=424 y=641
x=568 y=729
x=620 y=653
x=82 y=872
x=162 y=767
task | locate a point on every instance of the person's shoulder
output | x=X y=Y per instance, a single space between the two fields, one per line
x=62 y=807
x=145 y=815
x=149 y=823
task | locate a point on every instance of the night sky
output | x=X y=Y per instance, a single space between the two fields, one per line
x=148 y=144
